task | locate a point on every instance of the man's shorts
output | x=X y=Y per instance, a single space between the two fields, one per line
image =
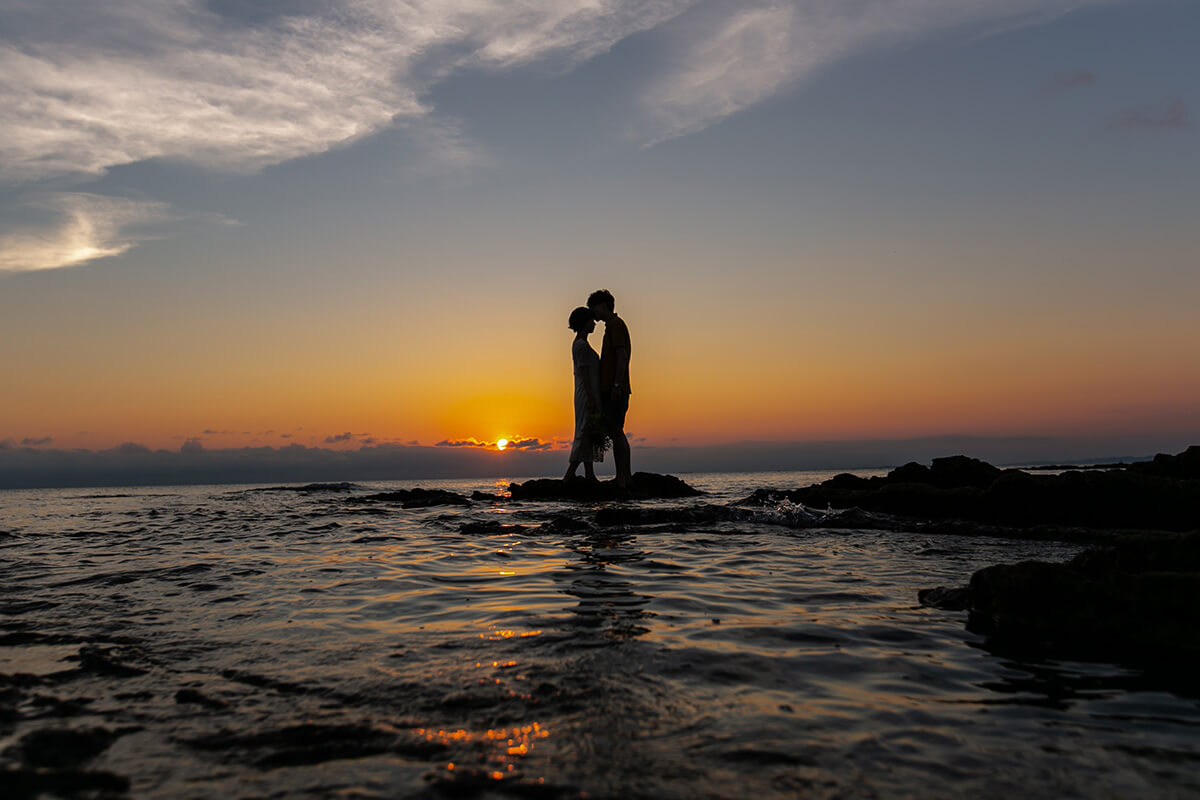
x=614 y=411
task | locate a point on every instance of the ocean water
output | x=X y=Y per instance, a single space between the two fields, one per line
x=224 y=641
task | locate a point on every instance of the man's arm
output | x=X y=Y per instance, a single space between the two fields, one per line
x=622 y=369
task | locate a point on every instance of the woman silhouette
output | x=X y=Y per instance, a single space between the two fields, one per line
x=587 y=395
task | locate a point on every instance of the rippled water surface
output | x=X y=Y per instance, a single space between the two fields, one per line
x=228 y=642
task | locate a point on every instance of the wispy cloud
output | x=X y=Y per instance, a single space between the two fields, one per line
x=238 y=86
x=72 y=228
x=36 y=441
x=83 y=89
x=729 y=57
x=1169 y=114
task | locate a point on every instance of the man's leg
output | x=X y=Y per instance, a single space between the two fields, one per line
x=620 y=446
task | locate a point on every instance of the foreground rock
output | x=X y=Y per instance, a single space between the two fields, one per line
x=1136 y=599
x=417 y=498
x=645 y=486
x=1163 y=494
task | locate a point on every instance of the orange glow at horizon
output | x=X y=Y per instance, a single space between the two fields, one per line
x=704 y=371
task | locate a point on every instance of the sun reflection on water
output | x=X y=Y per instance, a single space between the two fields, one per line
x=501 y=749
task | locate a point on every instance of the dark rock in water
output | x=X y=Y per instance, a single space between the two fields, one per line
x=312 y=743
x=645 y=486
x=1136 y=599
x=945 y=598
x=418 y=498
x=62 y=747
x=488 y=497
x=309 y=488
x=23 y=784
x=706 y=513
x=100 y=661
x=490 y=526
x=1162 y=495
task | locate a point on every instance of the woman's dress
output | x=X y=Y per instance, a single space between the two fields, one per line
x=587 y=369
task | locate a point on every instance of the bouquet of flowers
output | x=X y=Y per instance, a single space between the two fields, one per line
x=598 y=437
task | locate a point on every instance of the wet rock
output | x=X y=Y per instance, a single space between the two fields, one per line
x=1159 y=495
x=645 y=486
x=490 y=526
x=945 y=598
x=310 y=488
x=1132 y=600
x=488 y=497
x=27 y=784
x=561 y=524
x=62 y=747
x=418 y=498
x=311 y=743
x=49 y=706
x=101 y=661
x=627 y=515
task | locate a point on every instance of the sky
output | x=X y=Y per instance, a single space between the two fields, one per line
x=357 y=224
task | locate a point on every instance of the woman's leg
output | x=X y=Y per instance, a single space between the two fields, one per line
x=574 y=465
x=589 y=471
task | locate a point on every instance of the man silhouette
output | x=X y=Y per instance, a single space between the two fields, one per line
x=614 y=378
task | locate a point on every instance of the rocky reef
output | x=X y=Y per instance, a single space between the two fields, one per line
x=1136 y=598
x=1163 y=494
x=645 y=486
x=417 y=498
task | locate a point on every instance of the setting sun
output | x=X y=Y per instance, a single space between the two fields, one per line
x=501 y=444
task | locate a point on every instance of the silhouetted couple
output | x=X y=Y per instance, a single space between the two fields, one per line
x=601 y=387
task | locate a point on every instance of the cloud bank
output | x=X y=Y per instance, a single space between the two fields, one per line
x=132 y=464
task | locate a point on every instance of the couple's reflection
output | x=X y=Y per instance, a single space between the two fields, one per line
x=609 y=604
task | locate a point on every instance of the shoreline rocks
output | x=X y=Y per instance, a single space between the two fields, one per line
x=1163 y=494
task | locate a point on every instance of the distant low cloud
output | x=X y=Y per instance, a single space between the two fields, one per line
x=461 y=443
x=1167 y=115
x=35 y=442
x=1069 y=80
x=214 y=432
x=343 y=438
x=133 y=464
